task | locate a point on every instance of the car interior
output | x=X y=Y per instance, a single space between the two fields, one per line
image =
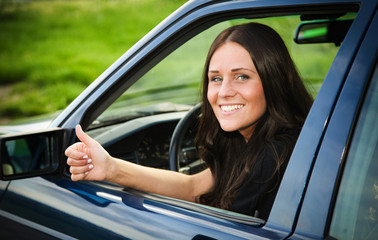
x=141 y=124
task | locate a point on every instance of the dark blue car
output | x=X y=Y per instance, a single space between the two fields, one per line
x=143 y=109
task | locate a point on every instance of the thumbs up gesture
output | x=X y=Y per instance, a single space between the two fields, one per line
x=87 y=159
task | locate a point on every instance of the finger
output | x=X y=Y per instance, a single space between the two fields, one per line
x=72 y=152
x=83 y=137
x=78 y=177
x=74 y=162
x=81 y=169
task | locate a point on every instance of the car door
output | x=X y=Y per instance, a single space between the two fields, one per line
x=61 y=208
x=341 y=198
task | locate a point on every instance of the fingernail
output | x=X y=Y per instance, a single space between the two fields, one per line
x=90 y=166
x=86 y=173
x=85 y=157
x=89 y=160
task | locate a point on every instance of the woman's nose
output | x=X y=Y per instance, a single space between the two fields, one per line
x=226 y=89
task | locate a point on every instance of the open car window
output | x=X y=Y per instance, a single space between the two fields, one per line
x=174 y=83
x=173 y=86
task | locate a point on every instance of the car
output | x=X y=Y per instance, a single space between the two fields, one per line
x=144 y=109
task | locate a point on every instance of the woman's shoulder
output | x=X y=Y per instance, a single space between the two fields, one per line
x=286 y=138
x=277 y=150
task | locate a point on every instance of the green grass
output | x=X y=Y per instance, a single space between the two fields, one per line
x=51 y=50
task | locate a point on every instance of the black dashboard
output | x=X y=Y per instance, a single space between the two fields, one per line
x=145 y=140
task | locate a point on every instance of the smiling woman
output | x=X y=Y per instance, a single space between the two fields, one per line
x=153 y=99
x=256 y=121
x=235 y=90
x=247 y=146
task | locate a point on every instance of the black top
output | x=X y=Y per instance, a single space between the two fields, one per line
x=257 y=194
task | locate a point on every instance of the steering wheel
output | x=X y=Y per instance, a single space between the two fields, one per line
x=178 y=136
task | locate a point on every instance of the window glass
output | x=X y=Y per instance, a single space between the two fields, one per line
x=356 y=210
x=176 y=79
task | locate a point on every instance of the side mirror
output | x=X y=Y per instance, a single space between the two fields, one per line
x=31 y=154
x=328 y=31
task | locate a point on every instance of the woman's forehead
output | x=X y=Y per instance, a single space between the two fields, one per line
x=230 y=55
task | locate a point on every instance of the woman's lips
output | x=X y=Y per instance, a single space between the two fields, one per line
x=231 y=107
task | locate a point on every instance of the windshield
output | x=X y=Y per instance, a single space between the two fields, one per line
x=170 y=86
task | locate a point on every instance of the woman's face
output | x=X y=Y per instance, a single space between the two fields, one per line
x=235 y=90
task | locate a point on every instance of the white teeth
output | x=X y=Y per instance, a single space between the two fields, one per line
x=230 y=108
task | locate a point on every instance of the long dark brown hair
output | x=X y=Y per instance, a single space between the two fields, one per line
x=228 y=156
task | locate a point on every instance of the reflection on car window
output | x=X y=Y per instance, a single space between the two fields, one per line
x=356 y=211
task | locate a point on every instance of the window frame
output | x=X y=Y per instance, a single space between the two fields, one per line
x=327 y=170
x=351 y=142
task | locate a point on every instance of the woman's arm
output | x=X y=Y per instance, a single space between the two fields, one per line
x=88 y=160
x=163 y=182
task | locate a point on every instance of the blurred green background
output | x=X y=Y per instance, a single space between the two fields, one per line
x=50 y=51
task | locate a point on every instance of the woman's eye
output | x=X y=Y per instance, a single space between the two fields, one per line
x=242 y=77
x=216 y=79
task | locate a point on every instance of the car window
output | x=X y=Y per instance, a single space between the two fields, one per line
x=356 y=211
x=174 y=83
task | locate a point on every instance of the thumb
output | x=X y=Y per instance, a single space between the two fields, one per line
x=83 y=137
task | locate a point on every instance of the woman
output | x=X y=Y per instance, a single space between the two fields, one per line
x=253 y=107
x=273 y=105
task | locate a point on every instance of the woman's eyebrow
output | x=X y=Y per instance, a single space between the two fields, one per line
x=238 y=69
x=233 y=70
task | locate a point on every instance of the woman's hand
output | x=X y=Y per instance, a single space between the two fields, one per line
x=88 y=160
